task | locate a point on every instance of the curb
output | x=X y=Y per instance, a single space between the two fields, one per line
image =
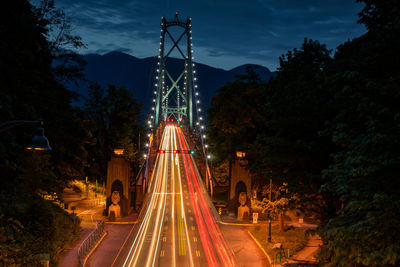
x=259 y=245
x=134 y=222
x=94 y=248
x=238 y=224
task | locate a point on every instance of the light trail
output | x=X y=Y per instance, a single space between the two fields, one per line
x=204 y=215
x=162 y=236
x=205 y=239
x=160 y=216
x=183 y=215
x=132 y=258
x=173 y=200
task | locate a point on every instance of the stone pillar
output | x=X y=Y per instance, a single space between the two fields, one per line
x=240 y=182
x=240 y=173
x=118 y=175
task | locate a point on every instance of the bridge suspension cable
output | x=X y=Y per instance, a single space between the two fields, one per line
x=176 y=95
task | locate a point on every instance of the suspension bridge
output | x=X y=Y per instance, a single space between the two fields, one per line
x=178 y=224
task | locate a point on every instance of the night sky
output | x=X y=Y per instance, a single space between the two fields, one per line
x=226 y=33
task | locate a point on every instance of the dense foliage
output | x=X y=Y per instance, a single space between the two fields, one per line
x=329 y=127
x=29 y=224
x=35 y=61
x=364 y=173
x=234 y=115
x=110 y=117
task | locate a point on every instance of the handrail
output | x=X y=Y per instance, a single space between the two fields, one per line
x=89 y=242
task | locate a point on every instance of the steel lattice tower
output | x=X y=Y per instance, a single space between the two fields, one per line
x=175 y=96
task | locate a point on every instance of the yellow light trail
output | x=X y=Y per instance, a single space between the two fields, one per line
x=159 y=185
x=155 y=241
x=173 y=205
x=182 y=207
x=152 y=243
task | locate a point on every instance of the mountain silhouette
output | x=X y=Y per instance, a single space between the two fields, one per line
x=138 y=75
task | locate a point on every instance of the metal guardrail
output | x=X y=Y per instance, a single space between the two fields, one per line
x=89 y=242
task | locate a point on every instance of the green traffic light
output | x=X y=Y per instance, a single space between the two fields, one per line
x=191 y=152
x=180 y=125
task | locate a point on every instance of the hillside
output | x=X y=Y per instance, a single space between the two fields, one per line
x=138 y=74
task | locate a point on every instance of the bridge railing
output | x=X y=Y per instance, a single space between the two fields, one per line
x=89 y=242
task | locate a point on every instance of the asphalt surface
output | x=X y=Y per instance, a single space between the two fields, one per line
x=176 y=226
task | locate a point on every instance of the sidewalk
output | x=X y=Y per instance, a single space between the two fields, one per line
x=107 y=251
x=307 y=256
x=89 y=214
x=247 y=252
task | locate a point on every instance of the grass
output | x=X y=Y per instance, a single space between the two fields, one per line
x=292 y=239
x=81 y=188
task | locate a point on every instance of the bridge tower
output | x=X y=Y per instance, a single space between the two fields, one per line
x=175 y=93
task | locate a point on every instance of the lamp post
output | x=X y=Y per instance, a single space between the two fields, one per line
x=39 y=141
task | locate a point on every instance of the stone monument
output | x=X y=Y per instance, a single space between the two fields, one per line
x=243 y=208
x=118 y=180
x=115 y=207
x=240 y=180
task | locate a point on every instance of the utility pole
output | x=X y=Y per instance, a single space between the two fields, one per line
x=87 y=188
x=269 y=215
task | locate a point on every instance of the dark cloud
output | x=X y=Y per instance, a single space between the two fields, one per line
x=226 y=33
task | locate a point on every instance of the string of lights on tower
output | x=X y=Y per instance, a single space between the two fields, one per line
x=170 y=102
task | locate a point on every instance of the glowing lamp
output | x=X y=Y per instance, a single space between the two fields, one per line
x=118 y=151
x=39 y=141
x=240 y=154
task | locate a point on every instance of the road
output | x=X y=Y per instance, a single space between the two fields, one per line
x=176 y=226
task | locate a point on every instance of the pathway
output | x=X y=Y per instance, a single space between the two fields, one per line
x=89 y=214
x=246 y=251
x=307 y=256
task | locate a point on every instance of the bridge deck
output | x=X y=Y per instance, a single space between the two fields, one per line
x=177 y=224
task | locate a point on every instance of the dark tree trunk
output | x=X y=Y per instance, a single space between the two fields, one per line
x=282 y=221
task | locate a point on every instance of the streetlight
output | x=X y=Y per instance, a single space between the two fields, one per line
x=39 y=141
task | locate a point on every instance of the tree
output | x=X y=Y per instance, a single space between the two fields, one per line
x=380 y=15
x=288 y=147
x=67 y=64
x=364 y=176
x=30 y=91
x=282 y=201
x=233 y=116
x=111 y=121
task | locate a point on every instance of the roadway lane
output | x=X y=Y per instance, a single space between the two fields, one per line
x=177 y=227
